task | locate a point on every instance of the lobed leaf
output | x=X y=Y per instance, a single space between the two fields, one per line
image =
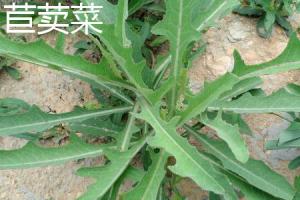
x=107 y=175
x=236 y=119
x=254 y=172
x=42 y=54
x=280 y=101
x=31 y=119
x=35 y=155
x=178 y=29
x=288 y=60
x=250 y=192
x=189 y=162
x=206 y=12
x=230 y=134
x=241 y=87
x=148 y=188
x=210 y=93
x=115 y=39
x=131 y=173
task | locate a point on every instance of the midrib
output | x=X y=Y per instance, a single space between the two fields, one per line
x=70 y=157
x=242 y=169
x=153 y=177
x=179 y=147
x=64 y=119
x=178 y=36
x=211 y=16
x=260 y=71
x=177 y=51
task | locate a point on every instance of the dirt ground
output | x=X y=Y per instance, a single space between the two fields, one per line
x=56 y=92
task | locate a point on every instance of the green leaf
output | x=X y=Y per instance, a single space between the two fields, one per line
x=280 y=101
x=290 y=134
x=10 y=106
x=206 y=12
x=236 y=119
x=32 y=119
x=35 y=155
x=135 y=5
x=13 y=72
x=97 y=127
x=107 y=175
x=230 y=134
x=138 y=38
x=250 y=192
x=123 y=56
x=180 y=32
x=293 y=89
x=297 y=183
x=189 y=162
x=156 y=75
x=115 y=40
x=254 y=172
x=288 y=60
x=297 y=186
x=210 y=93
x=273 y=145
x=129 y=129
x=148 y=188
x=120 y=26
x=108 y=14
x=248 y=11
x=42 y=54
x=294 y=164
x=241 y=87
x=262 y=30
x=131 y=173
x=285 y=24
x=213 y=196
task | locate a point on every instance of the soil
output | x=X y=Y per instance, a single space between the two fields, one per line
x=55 y=92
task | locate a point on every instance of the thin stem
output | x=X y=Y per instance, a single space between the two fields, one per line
x=127 y=134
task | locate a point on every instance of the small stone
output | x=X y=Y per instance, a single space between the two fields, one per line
x=236 y=33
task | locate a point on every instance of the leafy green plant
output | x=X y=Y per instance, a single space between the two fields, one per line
x=270 y=12
x=147 y=110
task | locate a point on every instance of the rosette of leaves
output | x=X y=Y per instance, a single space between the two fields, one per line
x=270 y=12
x=146 y=109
